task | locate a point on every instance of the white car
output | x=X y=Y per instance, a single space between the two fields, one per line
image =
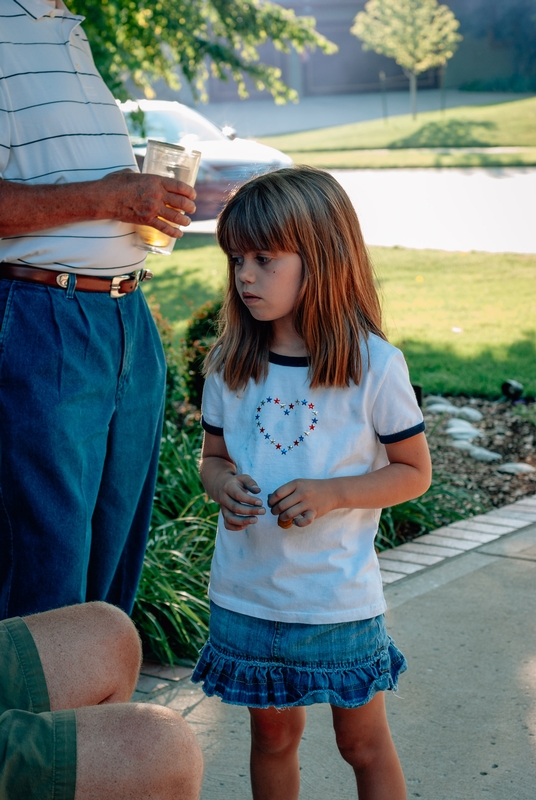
x=226 y=161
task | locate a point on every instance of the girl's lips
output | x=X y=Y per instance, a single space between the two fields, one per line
x=250 y=298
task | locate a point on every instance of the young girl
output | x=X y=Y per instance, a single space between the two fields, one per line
x=311 y=427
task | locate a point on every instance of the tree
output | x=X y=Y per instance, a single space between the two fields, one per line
x=418 y=34
x=512 y=25
x=173 y=39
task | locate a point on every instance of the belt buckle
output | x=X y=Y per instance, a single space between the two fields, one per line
x=118 y=280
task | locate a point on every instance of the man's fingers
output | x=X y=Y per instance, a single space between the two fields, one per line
x=178 y=203
x=179 y=187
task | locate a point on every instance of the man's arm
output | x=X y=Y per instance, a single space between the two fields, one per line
x=139 y=199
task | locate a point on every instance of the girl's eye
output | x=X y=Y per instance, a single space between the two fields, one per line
x=262 y=260
x=236 y=261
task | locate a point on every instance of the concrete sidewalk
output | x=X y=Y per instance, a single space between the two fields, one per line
x=462 y=605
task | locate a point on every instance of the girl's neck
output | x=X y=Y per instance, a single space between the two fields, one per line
x=285 y=340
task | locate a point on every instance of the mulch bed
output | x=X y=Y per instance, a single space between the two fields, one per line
x=507 y=433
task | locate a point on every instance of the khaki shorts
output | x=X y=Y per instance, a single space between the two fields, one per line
x=37 y=746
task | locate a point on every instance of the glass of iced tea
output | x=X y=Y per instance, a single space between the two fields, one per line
x=171 y=161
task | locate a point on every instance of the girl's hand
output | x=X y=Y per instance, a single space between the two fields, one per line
x=238 y=507
x=303 y=500
x=231 y=491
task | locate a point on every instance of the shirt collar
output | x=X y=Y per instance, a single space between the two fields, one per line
x=37 y=9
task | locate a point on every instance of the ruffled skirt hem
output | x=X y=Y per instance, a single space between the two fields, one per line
x=265 y=684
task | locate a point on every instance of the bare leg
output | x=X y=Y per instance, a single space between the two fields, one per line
x=136 y=752
x=91 y=658
x=90 y=654
x=275 y=738
x=364 y=741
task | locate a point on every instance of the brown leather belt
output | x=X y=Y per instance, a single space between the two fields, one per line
x=117 y=286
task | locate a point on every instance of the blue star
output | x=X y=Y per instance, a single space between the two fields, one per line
x=266 y=435
x=301 y=438
x=268 y=399
x=287 y=412
x=304 y=402
x=284 y=451
x=257 y=416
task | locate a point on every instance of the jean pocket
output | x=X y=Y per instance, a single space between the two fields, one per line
x=6 y=298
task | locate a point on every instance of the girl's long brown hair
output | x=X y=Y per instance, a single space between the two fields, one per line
x=306 y=211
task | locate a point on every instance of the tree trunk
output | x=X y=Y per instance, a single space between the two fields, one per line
x=413 y=93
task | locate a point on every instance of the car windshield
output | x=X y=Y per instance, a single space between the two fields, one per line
x=170 y=125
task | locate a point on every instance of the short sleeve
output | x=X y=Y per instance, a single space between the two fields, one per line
x=5 y=129
x=212 y=405
x=396 y=414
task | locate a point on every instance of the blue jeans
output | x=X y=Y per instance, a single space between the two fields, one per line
x=82 y=380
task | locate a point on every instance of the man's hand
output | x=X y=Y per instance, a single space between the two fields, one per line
x=145 y=199
x=131 y=197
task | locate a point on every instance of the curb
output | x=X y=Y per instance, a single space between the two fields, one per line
x=455 y=539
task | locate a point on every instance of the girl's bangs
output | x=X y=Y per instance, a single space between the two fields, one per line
x=250 y=225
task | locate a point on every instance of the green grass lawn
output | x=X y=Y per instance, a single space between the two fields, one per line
x=426 y=294
x=408 y=141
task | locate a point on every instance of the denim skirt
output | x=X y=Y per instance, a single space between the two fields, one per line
x=259 y=663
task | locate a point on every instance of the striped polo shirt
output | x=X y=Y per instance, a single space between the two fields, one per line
x=59 y=124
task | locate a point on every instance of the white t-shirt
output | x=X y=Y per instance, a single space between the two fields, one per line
x=281 y=429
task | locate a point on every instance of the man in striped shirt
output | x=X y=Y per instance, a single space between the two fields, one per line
x=81 y=364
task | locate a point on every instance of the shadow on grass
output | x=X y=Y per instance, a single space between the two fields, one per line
x=180 y=291
x=451 y=133
x=442 y=370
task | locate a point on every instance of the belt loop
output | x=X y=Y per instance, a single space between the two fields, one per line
x=71 y=285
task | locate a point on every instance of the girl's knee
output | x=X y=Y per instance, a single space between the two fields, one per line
x=362 y=734
x=276 y=731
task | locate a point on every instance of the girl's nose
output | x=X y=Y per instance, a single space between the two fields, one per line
x=245 y=274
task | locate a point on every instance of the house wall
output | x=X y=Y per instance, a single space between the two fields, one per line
x=354 y=70
x=349 y=71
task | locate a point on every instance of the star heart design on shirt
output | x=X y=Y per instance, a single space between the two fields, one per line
x=302 y=416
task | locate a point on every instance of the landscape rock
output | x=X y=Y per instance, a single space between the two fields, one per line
x=471 y=414
x=516 y=469
x=441 y=408
x=505 y=430
x=482 y=454
x=461 y=444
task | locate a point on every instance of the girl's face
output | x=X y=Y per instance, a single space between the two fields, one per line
x=268 y=283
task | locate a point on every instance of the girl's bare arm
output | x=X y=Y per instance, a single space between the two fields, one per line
x=408 y=475
x=231 y=491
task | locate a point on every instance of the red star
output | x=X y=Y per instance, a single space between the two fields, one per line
x=278 y=447
x=311 y=427
x=296 y=443
x=311 y=405
x=276 y=400
x=259 y=408
x=262 y=430
x=291 y=406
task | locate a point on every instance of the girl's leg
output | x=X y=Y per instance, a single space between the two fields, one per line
x=275 y=738
x=364 y=741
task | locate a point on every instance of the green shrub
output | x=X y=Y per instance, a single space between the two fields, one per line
x=201 y=333
x=442 y=504
x=172 y=607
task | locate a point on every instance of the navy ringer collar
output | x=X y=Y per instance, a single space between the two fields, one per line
x=288 y=361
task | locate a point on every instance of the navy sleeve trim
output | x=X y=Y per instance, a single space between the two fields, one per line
x=211 y=428
x=399 y=437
